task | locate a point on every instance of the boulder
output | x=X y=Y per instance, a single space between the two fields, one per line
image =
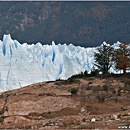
x=113 y=117
x=93 y=120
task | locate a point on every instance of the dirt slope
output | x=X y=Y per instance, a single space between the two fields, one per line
x=98 y=103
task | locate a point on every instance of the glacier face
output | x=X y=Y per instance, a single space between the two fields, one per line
x=23 y=64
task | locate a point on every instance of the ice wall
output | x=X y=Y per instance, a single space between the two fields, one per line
x=23 y=64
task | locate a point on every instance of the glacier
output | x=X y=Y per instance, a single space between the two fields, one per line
x=23 y=64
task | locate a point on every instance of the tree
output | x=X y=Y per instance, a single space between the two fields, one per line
x=122 y=57
x=104 y=58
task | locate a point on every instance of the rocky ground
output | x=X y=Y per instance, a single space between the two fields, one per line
x=97 y=103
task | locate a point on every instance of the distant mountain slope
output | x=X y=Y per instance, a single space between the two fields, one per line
x=80 y=23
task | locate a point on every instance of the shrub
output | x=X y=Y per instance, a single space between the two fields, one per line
x=74 y=91
x=71 y=80
x=88 y=88
x=2 y=111
x=119 y=92
x=68 y=81
x=116 y=100
x=1 y=119
x=114 y=91
x=85 y=73
x=33 y=114
x=28 y=127
x=90 y=78
x=95 y=73
x=105 y=88
x=128 y=83
x=123 y=108
x=101 y=98
x=89 y=83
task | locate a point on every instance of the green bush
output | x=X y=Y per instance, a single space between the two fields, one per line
x=114 y=91
x=119 y=92
x=88 y=88
x=85 y=73
x=116 y=100
x=95 y=73
x=101 y=98
x=1 y=119
x=74 y=91
x=128 y=83
x=2 y=111
x=71 y=80
x=33 y=114
x=89 y=83
x=105 y=88
x=123 y=109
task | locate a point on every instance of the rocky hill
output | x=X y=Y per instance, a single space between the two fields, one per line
x=81 y=23
x=99 y=103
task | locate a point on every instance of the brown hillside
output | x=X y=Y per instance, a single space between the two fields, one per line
x=98 y=103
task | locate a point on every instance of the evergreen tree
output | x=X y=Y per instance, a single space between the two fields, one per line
x=104 y=58
x=122 y=57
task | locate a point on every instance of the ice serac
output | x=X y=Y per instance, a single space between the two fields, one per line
x=23 y=64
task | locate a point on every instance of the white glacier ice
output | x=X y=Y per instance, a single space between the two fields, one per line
x=23 y=64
